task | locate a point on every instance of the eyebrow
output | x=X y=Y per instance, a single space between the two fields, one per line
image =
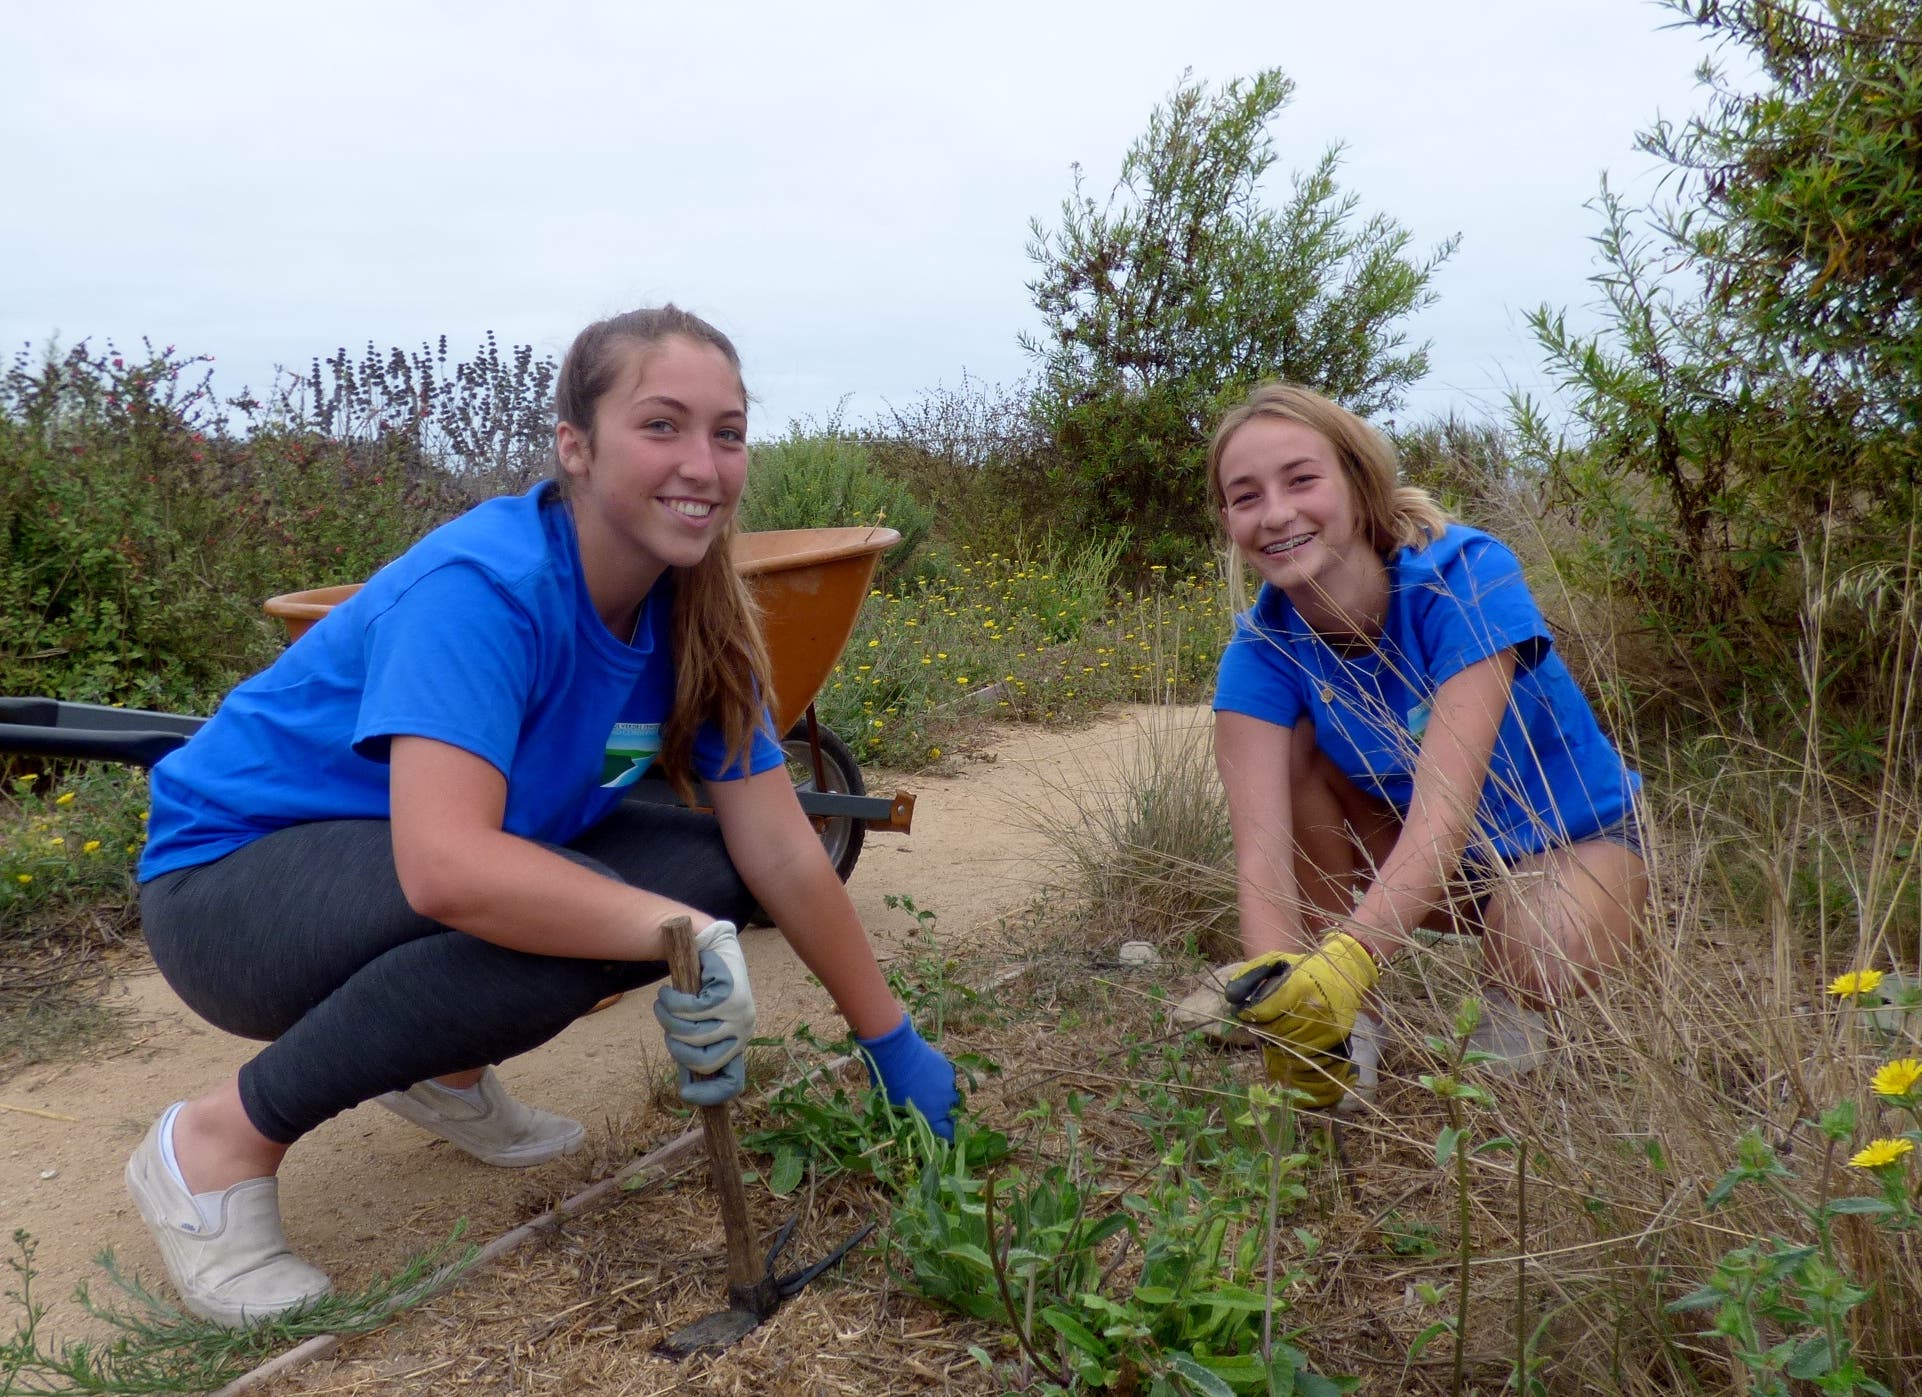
x=678 y=406
x=1242 y=477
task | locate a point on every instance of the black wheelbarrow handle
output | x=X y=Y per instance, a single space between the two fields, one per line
x=44 y=727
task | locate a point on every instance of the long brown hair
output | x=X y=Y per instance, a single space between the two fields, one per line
x=1395 y=515
x=720 y=660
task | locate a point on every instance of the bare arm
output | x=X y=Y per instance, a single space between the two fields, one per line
x=458 y=866
x=780 y=857
x=1253 y=757
x=1450 y=769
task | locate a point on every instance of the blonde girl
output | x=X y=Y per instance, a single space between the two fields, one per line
x=1396 y=733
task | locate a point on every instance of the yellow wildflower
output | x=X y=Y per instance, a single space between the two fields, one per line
x=92 y=846
x=64 y=798
x=1897 y=1078
x=1855 y=982
x=29 y=778
x=23 y=878
x=1878 y=1153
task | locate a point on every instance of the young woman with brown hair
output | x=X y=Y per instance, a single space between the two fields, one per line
x=401 y=855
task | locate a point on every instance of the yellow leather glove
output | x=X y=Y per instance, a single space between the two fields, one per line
x=1323 y=1078
x=1306 y=1002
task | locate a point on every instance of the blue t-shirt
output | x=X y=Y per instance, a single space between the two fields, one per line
x=482 y=636
x=1554 y=777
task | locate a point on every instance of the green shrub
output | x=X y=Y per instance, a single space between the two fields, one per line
x=975 y=454
x=141 y=536
x=113 y=587
x=814 y=482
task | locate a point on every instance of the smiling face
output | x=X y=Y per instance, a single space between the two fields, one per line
x=655 y=481
x=1290 y=509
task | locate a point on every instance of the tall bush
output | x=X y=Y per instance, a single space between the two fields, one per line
x=1186 y=287
x=141 y=536
x=1747 y=444
x=110 y=586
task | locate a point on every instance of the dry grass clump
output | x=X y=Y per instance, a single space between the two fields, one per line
x=1148 y=851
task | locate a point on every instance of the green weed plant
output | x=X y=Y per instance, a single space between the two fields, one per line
x=156 y=1347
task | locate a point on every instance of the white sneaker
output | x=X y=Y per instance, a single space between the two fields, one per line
x=235 y=1273
x=1516 y=1038
x=499 y=1131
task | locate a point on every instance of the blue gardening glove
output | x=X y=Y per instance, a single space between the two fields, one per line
x=1305 y=1002
x=910 y=1073
x=707 y=1032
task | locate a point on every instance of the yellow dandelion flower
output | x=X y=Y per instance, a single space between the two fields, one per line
x=1878 y=1153
x=23 y=878
x=64 y=798
x=58 y=839
x=934 y=752
x=92 y=846
x=1897 y=1078
x=1855 y=982
x=29 y=778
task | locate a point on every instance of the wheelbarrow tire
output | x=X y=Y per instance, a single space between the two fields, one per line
x=842 y=836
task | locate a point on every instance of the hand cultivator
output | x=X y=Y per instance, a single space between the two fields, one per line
x=754 y=1289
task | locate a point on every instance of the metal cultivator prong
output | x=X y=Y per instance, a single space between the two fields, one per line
x=795 y=1281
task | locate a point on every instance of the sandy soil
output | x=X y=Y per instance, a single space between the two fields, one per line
x=367 y=1189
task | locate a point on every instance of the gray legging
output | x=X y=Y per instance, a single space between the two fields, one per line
x=303 y=938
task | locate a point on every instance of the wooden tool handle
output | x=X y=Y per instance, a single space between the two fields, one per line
x=717 y=1124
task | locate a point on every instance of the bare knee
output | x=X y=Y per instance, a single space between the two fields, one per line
x=1560 y=921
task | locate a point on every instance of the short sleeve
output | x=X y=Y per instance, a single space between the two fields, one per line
x=1258 y=675
x=1475 y=604
x=711 y=762
x=452 y=659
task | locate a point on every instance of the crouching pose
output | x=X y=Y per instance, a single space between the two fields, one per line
x=1401 y=747
x=400 y=854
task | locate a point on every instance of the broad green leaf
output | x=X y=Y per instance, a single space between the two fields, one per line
x=1811 y=1359
x=1309 y=1384
x=789 y=1169
x=1075 y=1332
x=1859 y=1205
x=970 y=1254
x=1199 y=1378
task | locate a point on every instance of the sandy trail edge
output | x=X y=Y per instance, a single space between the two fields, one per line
x=367 y=1189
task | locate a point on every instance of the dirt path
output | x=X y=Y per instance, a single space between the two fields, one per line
x=367 y=1189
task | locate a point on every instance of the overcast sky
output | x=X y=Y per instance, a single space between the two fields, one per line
x=844 y=188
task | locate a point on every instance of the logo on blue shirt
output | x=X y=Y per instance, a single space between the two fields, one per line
x=631 y=747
